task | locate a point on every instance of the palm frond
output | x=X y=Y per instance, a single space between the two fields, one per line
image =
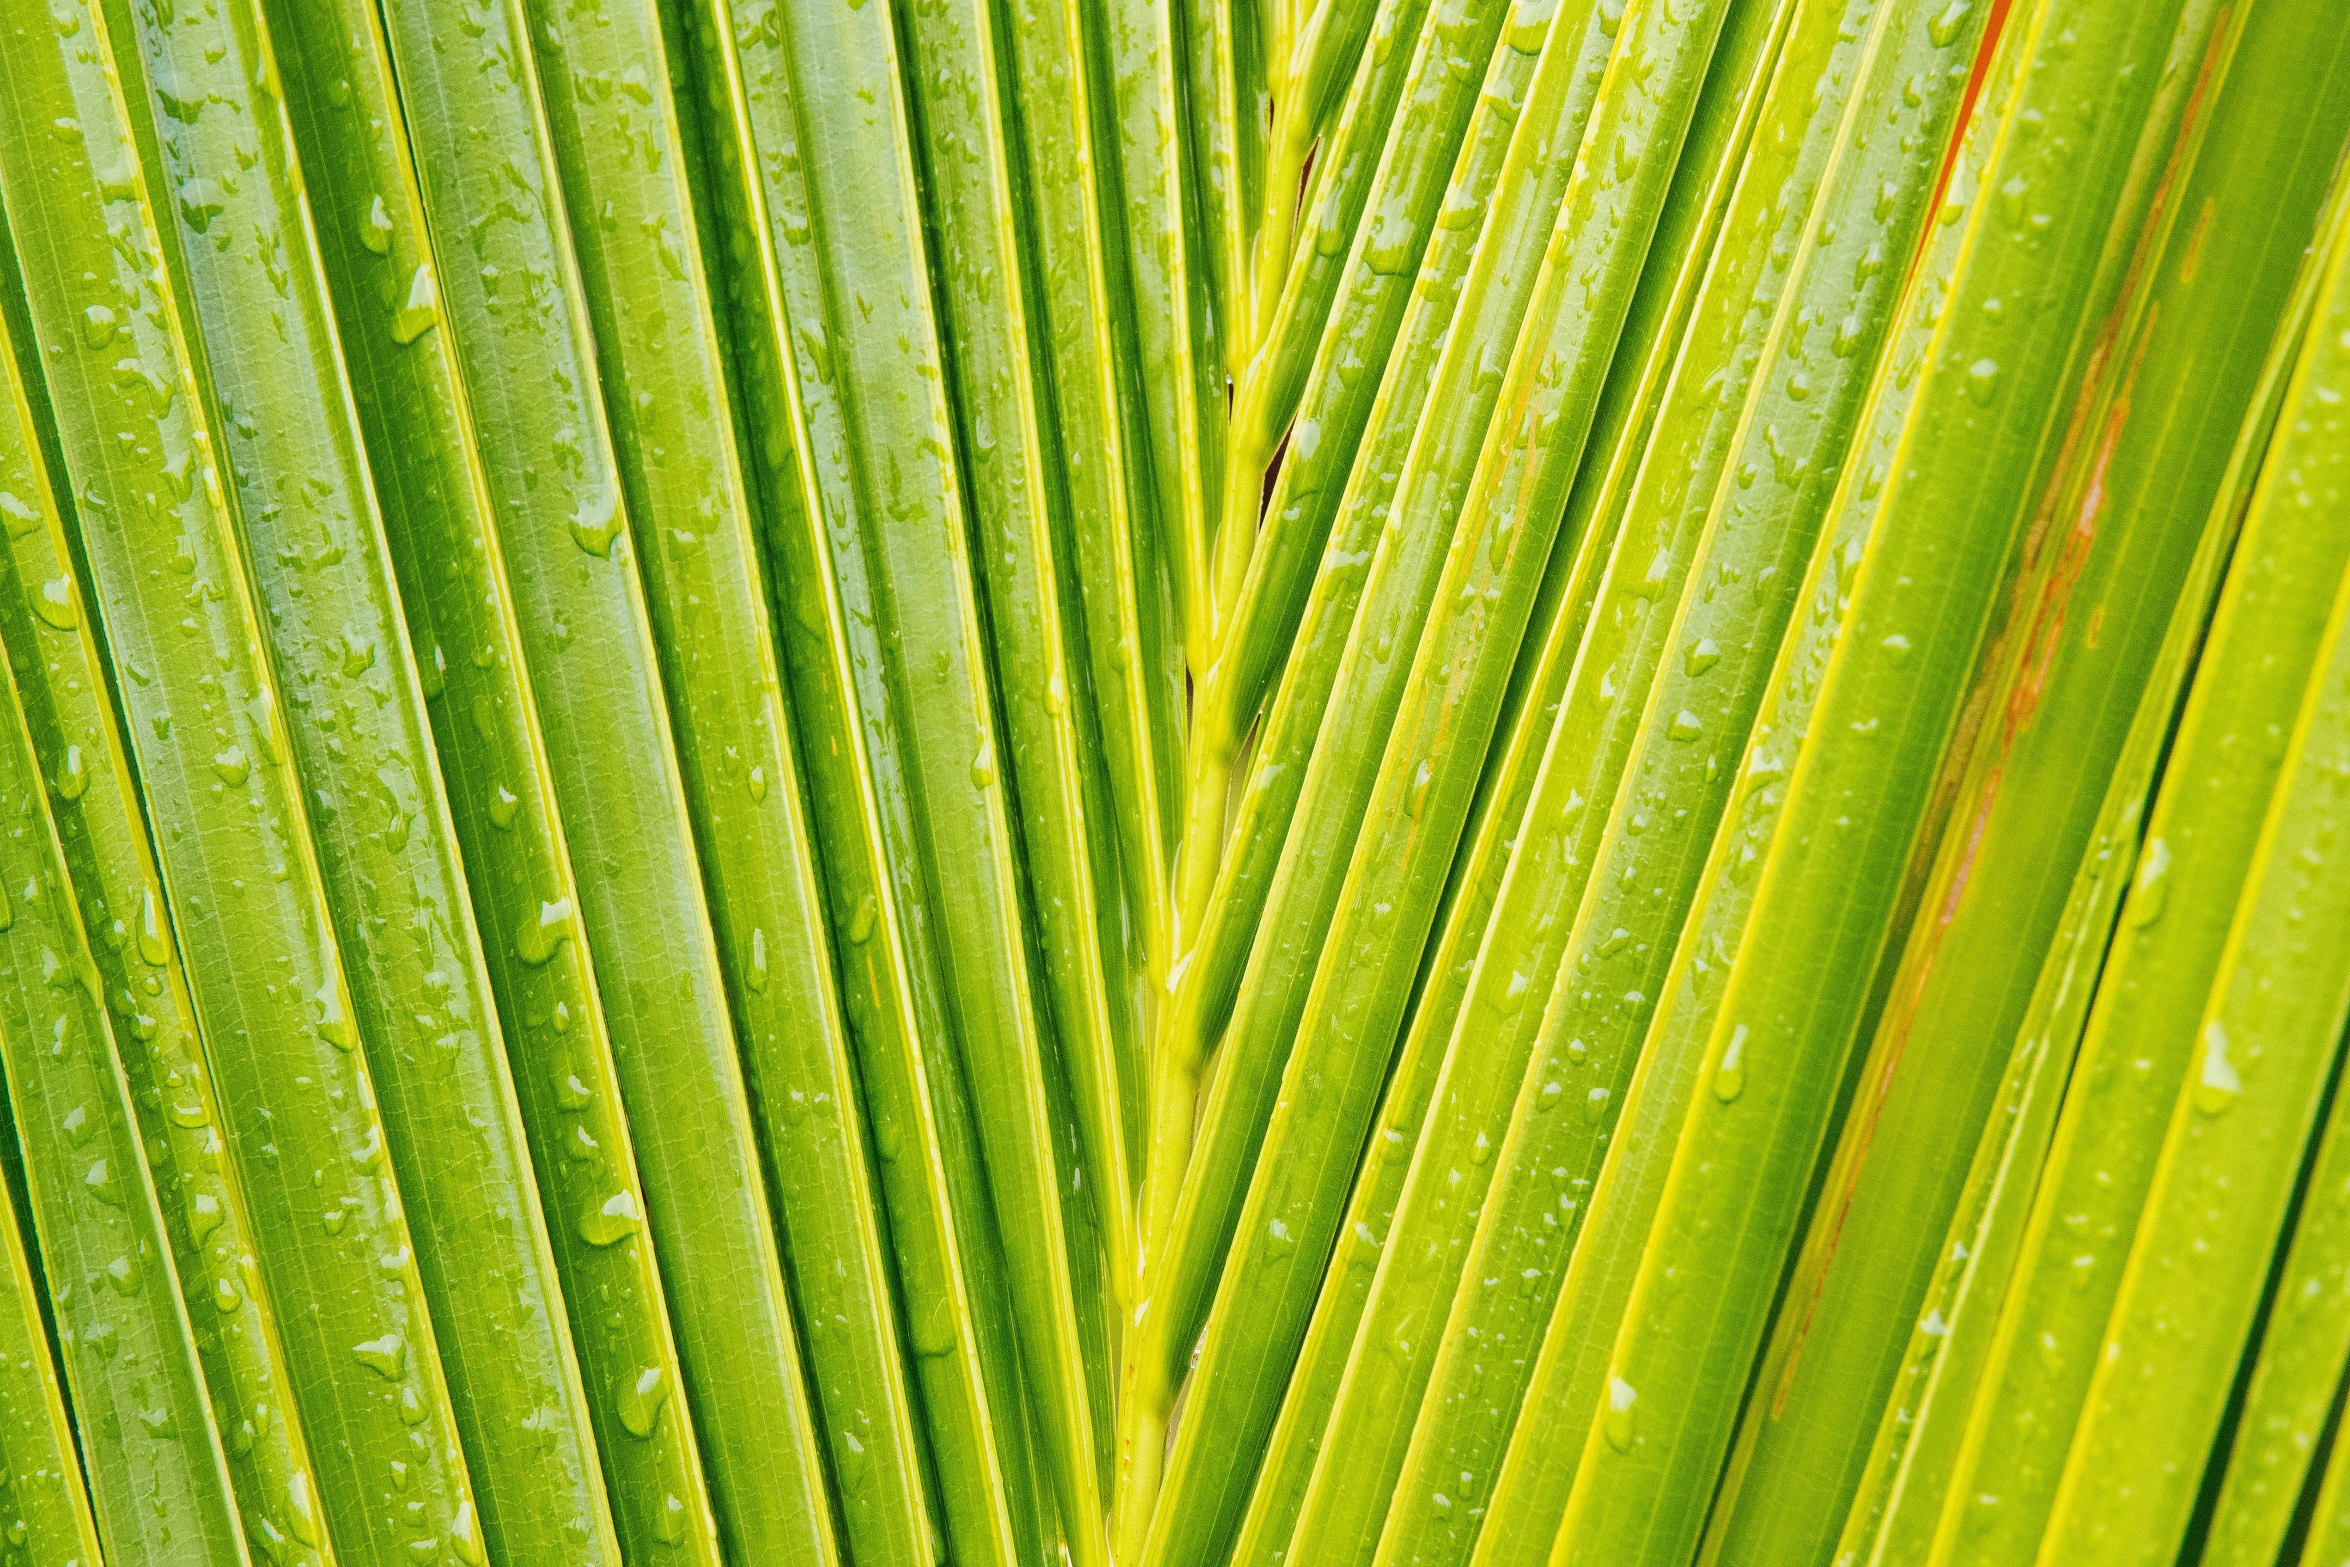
x=1176 y=782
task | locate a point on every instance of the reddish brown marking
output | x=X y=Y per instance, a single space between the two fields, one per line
x=2054 y=600
x=1984 y=50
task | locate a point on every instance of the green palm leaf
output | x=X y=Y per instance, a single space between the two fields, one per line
x=941 y=1223
x=1594 y=516
x=161 y=1484
x=2220 y=1192
x=1130 y=782
x=2087 y=621
x=62 y=693
x=1801 y=942
x=48 y=1497
x=492 y=762
x=1733 y=490
x=2151 y=993
x=361 y=744
x=559 y=490
x=859 y=301
x=1902 y=1488
x=1347 y=1024
x=643 y=270
x=232 y=828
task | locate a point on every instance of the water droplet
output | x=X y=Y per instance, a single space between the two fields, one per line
x=375 y=230
x=1595 y=1106
x=72 y=777
x=201 y=200
x=596 y=522
x=153 y=949
x=334 y=1017
x=2217 y=1086
x=934 y=1327
x=611 y=1221
x=204 y=1216
x=98 y=326
x=232 y=766
x=983 y=765
x=1686 y=726
x=1982 y=381
x=572 y=1094
x=669 y=1526
x=262 y=710
x=19 y=518
x=123 y=1274
x=416 y=315
x=641 y=1401
x=504 y=802
x=100 y=1183
x=1944 y=28
x=387 y=1357
x=537 y=941
x=2153 y=886
x=1730 y=1076
x=861 y=922
x=465 y=1535
x=226 y=1297
x=755 y=972
x=300 y=1513
x=55 y=604
x=758 y=783
x=1619 y=1418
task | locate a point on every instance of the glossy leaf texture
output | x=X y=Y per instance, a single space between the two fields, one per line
x=359 y=741
x=136 y=426
x=1173 y=783
x=432 y=489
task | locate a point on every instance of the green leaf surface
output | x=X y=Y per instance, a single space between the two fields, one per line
x=2114 y=538
x=2270 y=1032
x=45 y=1472
x=1658 y=322
x=942 y=1222
x=905 y=539
x=1444 y=701
x=511 y=295
x=243 y=886
x=492 y=761
x=61 y=689
x=160 y=1484
x=1836 y=834
x=361 y=744
x=1733 y=491
x=1903 y=1485
x=625 y=155
x=1320 y=777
